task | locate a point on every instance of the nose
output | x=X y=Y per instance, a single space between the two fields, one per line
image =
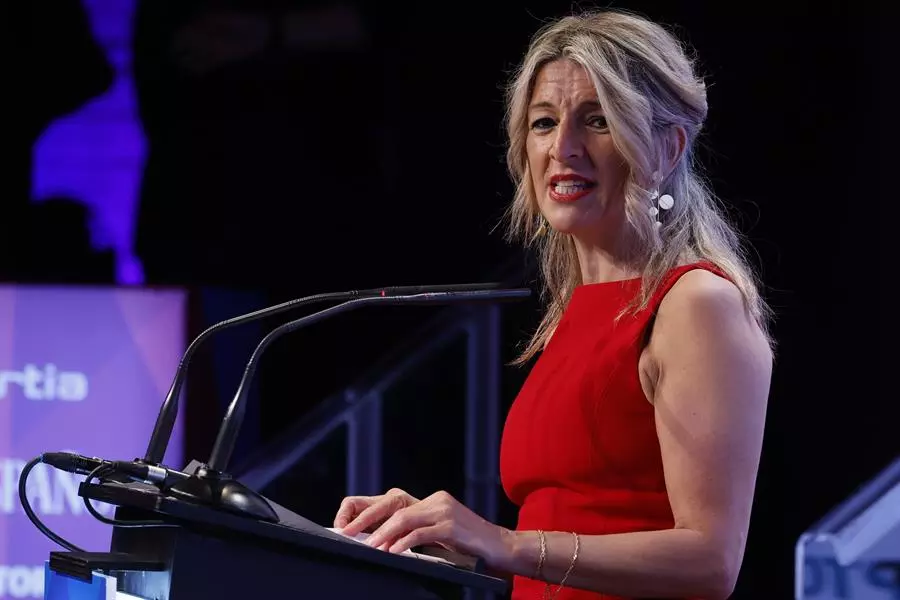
x=568 y=143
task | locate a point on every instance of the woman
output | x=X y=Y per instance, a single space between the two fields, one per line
x=632 y=449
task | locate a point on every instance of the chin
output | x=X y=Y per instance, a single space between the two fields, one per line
x=562 y=227
x=587 y=221
x=567 y=222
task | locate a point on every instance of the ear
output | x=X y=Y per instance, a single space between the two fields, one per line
x=673 y=146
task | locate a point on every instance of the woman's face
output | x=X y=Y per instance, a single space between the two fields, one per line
x=577 y=173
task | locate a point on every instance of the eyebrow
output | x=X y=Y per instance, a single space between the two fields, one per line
x=545 y=104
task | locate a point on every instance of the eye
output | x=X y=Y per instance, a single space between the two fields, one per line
x=598 y=122
x=542 y=124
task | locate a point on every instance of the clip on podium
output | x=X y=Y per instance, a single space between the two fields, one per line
x=202 y=552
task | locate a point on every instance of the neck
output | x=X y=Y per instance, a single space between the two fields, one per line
x=601 y=263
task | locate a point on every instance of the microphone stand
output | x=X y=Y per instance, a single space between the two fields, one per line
x=165 y=421
x=210 y=484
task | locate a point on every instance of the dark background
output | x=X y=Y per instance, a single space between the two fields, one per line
x=316 y=164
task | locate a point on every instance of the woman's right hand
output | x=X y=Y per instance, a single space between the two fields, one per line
x=365 y=513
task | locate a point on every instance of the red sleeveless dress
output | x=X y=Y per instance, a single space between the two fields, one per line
x=579 y=450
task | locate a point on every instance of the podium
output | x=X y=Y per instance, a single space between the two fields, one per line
x=198 y=552
x=854 y=550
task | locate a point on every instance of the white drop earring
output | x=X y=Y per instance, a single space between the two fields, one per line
x=664 y=202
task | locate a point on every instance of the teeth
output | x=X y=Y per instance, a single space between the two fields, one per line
x=569 y=187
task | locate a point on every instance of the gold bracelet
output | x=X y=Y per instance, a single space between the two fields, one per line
x=540 y=567
x=547 y=594
x=574 y=559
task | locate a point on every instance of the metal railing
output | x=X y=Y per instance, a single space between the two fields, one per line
x=359 y=407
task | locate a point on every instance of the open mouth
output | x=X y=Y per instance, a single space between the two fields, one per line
x=569 y=189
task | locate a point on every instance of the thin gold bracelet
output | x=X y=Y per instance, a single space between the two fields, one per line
x=547 y=594
x=540 y=566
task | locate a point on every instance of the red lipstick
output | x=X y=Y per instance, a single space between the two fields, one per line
x=569 y=187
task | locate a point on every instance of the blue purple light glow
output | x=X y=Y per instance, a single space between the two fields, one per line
x=96 y=154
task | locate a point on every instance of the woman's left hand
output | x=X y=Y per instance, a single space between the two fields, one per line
x=441 y=519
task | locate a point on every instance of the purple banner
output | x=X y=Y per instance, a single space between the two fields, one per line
x=82 y=369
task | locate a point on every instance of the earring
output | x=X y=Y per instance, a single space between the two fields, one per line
x=664 y=202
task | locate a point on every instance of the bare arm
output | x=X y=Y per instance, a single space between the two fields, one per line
x=713 y=369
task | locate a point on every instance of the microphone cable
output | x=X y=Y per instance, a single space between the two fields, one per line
x=104 y=470
x=74 y=463
x=35 y=520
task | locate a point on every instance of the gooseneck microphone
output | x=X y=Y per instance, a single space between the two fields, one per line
x=211 y=485
x=165 y=421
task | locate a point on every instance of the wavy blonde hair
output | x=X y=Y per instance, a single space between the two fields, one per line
x=646 y=84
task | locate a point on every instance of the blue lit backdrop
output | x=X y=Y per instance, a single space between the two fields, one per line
x=96 y=153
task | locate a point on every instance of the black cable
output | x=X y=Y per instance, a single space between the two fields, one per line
x=26 y=506
x=99 y=472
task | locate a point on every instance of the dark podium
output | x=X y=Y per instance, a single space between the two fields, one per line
x=202 y=553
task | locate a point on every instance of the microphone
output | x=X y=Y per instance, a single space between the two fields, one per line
x=85 y=465
x=211 y=485
x=165 y=421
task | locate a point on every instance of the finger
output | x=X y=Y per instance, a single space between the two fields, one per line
x=421 y=536
x=374 y=514
x=401 y=523
x=350 y=507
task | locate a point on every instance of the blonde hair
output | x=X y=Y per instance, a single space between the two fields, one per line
x=646 y=85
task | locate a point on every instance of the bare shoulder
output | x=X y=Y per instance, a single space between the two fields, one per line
x=701 y=300
x=700 y=289
x=704 y=317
